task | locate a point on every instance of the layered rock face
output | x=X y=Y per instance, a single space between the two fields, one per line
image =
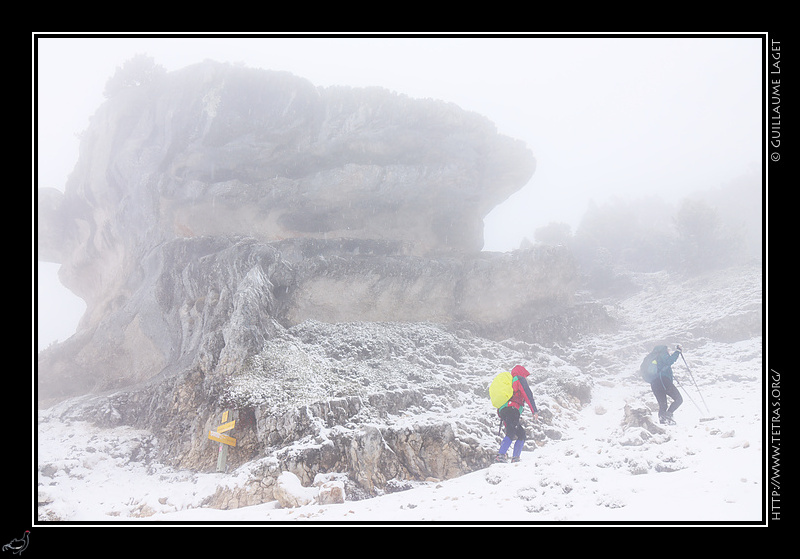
x=216 y=208
x=215 y=153
x=217 y=150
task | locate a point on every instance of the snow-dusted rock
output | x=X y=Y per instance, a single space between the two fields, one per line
x=289 y=491
x=331 y=492
x=707 y=467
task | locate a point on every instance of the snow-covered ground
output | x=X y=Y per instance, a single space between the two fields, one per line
x=708 y=468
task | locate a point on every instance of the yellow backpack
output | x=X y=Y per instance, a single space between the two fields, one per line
x=500 y=391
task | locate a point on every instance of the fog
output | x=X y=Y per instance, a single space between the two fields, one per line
x=606 y=118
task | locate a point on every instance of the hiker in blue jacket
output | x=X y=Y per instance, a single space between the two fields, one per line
x=510 y=412
x=663 y=386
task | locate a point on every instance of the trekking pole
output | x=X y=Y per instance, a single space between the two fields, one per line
x=687 y=394
x=695 y=382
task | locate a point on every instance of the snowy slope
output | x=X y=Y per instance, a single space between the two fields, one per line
x=708 y=468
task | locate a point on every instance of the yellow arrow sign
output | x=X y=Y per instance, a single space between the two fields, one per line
x=224 y=439
x=226 y=426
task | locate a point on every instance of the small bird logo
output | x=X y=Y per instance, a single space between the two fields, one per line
x=17 y=546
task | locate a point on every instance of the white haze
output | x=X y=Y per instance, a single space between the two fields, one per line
x=604 y=116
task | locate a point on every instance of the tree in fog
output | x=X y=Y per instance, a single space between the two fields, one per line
x=634 y=235
x=703 y=241
x=139 y=70
x=554 y=233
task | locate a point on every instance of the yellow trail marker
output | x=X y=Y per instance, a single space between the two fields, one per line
x=226 y=426
x=224 y=439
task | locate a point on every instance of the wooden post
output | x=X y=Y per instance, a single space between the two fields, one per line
x=224 y=441
x=222 y=457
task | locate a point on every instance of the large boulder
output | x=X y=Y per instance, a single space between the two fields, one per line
x=309 y=259
x=217 y=150
x=211 y=204
x=211 y=303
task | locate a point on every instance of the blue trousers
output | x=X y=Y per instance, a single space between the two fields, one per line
x=663 y=387
x=518 y=444
x=514 y=430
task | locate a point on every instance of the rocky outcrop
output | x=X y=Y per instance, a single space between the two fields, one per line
x=210 y=204
x=216 y=150
x=378 y=404
x=211 y=303
x=307 y=259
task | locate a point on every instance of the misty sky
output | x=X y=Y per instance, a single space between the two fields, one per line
x=603 y=116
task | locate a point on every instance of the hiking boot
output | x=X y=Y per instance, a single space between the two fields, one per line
x=501 y=458
x=666 y=419
x=515 y=459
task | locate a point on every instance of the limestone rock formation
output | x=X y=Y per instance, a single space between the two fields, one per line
x=218 y=150
x=186 y=183
x=239 y=233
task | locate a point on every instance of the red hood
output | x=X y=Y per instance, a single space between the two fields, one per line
x=519 y=371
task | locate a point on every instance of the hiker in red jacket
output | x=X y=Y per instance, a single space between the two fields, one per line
x=510 y=412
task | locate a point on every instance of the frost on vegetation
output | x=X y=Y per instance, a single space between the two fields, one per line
x=418 y=343
x=284 y=373
x=316 y=361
